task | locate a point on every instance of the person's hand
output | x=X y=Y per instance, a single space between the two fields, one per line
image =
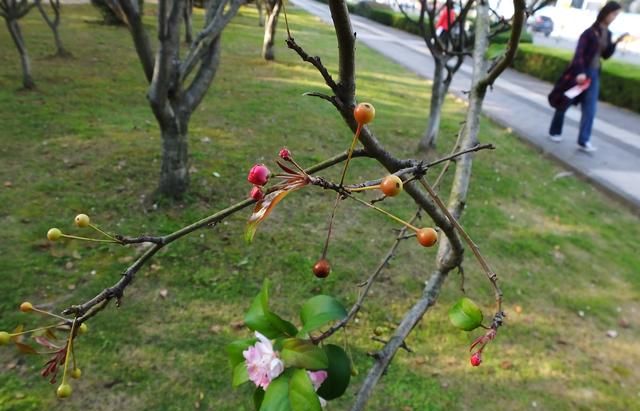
x=581 y=78
x=622 y=37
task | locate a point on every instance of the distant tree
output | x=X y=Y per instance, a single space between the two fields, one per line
x=53 y=24
x=177 y=85
x=12 y=11
x=272 y=12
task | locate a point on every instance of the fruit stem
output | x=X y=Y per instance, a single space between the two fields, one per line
x=97 y=240
x=103 y=233
x=354 y=190
x=388 y=214
x=350 y=153
x=50 y=314
x=69 y=344
x=35 y=329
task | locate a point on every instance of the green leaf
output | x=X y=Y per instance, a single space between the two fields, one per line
x=466 y=315
x=302 y=396
x=260 y=319
x=339 y=373
x=303 y=354
x=318 y=311
x=276 y=398
x=240 y=374
x=235 y=349
x=258 y=397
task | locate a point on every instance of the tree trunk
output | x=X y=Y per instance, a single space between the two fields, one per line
x=270 y=31
x=188 y=22
x=439 y=91
x=16 y=35
x=260 y=13
x=174 y=172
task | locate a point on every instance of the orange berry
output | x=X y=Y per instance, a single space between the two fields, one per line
x=26 y=307
x=322 y=268
x=391 y=185
x=427 y=236
x=364 y=113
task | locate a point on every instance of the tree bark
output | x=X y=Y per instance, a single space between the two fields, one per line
x=174 y=171
x=260 y=13
x=270 y=30
x=16 y=35
x=439 y=91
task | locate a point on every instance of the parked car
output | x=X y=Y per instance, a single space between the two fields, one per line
x=540 y=24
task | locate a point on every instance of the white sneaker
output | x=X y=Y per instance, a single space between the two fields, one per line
x=587 y=148
x=555 y=139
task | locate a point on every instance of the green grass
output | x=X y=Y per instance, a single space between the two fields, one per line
x=86 y=141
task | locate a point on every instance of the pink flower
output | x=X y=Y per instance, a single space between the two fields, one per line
x=285 y=154
x=317 y=378
x=263 y=363
x=256 y=193
x=259 y=175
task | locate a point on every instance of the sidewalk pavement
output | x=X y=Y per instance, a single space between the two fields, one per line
x=519 y=101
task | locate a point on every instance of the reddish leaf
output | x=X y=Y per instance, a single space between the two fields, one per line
x=25 y=349
x=286 y=169
x=264 y=207
x=46 y=343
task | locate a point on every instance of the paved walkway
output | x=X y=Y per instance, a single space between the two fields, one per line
x=519 y=101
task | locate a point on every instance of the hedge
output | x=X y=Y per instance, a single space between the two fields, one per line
x=619 y=82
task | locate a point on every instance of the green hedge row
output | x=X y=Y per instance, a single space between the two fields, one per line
x=384 y=14
x=619 y=82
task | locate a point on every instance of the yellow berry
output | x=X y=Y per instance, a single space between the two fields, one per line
x=26 y=307
x=84 y=328
x=64 y=390
x=5 y=337
x=76 y=373
x=82 y=220
x=54 y=234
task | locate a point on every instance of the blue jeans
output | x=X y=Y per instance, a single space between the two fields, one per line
x=588 y=106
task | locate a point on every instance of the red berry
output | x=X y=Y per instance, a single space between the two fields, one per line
x=391 y=185
x=256 y=193
x=364 y=113
x=285 y=154
x=476 y=359
x=427 y=236
x=259 y=175
x=322 y=268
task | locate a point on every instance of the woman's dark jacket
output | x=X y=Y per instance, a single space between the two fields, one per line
x=587 y=48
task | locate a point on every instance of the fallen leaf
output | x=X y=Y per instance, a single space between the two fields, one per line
x=164 y=293
x=612 y=333
x=624 y=323
x=215 y=329
x=237 y=324
x=8 y=184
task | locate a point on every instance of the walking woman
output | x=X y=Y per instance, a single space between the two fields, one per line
x=594 y=43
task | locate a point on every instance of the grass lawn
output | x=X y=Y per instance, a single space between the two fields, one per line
x=86 y=141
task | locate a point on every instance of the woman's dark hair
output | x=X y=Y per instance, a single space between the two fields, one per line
x=608 y=8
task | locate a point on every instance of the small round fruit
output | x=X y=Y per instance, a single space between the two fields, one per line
x=476 y=360
x=322 y=268
x=83 y=329
x=54 y=234
x=427 y=236
x=76 y=373
x=5 y=338
x=391 y=185
x=64 y=390
x=364 y=113
x=256 y=193
x=82 y=220
x=26 y=307
x=259 y=175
